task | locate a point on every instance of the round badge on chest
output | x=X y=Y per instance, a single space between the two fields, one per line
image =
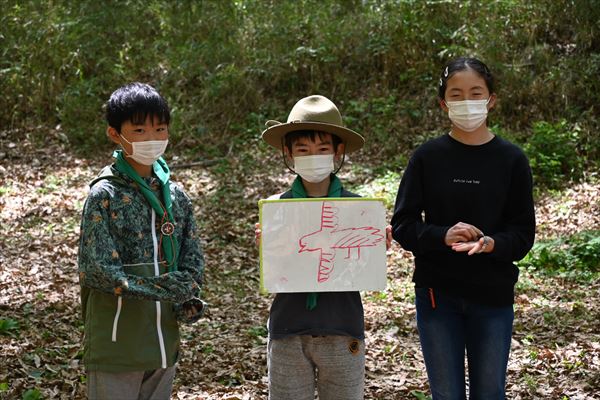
x=167 y=228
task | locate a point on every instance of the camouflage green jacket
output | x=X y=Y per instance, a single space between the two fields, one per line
x=130 y=301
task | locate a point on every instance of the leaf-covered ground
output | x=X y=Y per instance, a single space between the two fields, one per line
x=555 y=351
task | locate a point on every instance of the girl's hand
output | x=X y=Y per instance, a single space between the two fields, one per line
x=462 y=232
x=388 y=237
x=483 y=245
x=257 y=234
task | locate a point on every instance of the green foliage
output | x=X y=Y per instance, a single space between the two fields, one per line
x=219 y=61
x=419 y=395
x=554 y=154
x=559 y=153
x=258 y=331
x=207 y=349
x=384 y=186
x=577 y=256
x=8 y=326
x=32 y=394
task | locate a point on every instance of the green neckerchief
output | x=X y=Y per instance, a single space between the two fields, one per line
x=298 y=192
x=161 y=170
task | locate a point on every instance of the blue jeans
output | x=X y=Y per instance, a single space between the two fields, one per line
x=447 y=326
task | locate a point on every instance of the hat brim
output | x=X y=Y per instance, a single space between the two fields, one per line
x=274 y=134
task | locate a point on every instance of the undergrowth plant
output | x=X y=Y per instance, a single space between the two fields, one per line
x=9 y=326
x=576 y=256
x=555 y=154
x=219 y=61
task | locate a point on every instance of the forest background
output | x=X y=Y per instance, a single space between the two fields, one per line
x=225 y=68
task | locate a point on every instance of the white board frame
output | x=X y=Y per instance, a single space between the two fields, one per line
x=364 y=267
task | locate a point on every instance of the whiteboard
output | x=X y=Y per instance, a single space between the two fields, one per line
x=322 y=245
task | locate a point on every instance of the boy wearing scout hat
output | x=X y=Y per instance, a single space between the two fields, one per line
x=315 y=339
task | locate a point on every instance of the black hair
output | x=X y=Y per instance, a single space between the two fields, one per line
x=135 y=102
x=460 y=64
x=291 y=137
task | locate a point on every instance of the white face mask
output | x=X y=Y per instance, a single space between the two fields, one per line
x=468 y=115
x=314 y=169
x=147 y=152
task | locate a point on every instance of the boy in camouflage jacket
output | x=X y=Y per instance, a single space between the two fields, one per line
x=140 y=262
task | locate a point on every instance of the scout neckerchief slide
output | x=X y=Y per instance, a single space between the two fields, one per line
x=298 y=192
x=161 y=170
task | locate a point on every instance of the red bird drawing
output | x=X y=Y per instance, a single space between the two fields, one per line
x=329 y=238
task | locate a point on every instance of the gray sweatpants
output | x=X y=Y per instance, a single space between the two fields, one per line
x=334 y=364
x=137 y=385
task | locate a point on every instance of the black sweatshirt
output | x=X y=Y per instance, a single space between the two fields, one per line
x=488 y=186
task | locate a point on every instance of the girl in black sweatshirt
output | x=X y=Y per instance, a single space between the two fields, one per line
x=465 y=210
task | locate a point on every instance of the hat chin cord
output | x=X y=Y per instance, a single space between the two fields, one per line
x=342 y=163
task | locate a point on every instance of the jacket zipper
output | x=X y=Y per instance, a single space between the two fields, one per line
x=116 y=320
x=161 y=340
